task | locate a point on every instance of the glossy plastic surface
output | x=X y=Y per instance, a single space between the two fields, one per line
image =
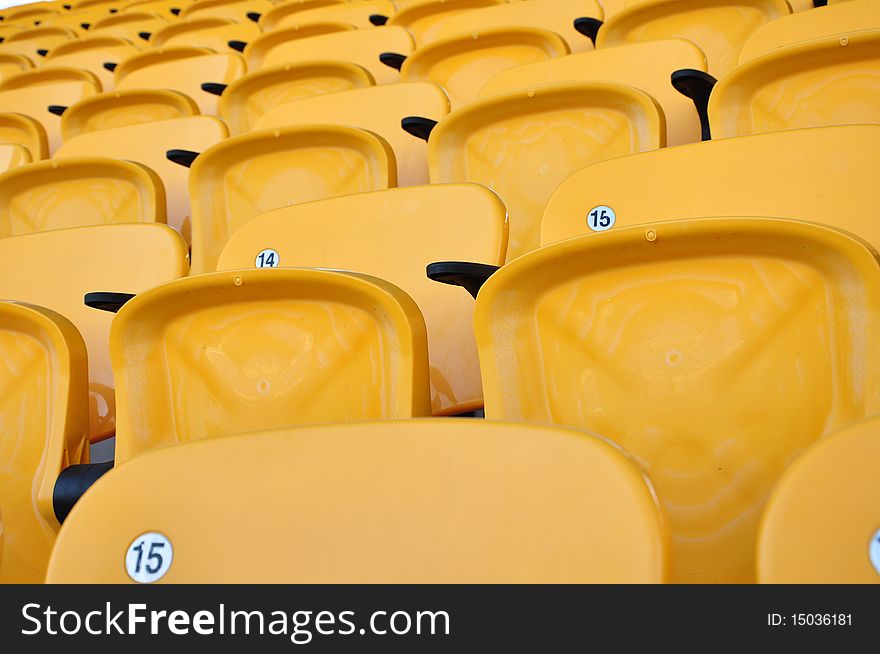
x=27 y=42
x=12 y=64
x=43 y=410
x=122 y=108
x=224 y=353
x=291 y=9
x=392 y=509
x=13 y=156
x=461 y=65
x=259 y=48
x=424 y=18
x=407 y=229
x=713 y=350
x=350 y=13
x=91 y=54
x=378 y=109
x=24 y=131
x=523 y=144
x=128 y=25
x=214 y=33
x=236 y=10
x=251 y=173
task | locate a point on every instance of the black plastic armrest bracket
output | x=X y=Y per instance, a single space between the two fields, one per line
x=105 y=301
x=145 y=35
x=392 y=60
x=254 y=16
x=237 y=45
x=417 y=126
x=72 y=483
x=378 y=19
x=470 y=276
x=110 y=65
x=56 y=109
x=696 y=85
x=214 y=88
x=589 y=27
x=42 y=52
x=820 y=3
x=183 y=158
x=85 y=26
x=175 y=11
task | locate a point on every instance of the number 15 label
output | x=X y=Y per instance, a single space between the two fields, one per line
x=601 y=218
x=148 y=557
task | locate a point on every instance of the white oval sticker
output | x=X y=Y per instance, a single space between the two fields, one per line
x=601 y=218
x=149 y=557
x=267 y=258
x=874 y=551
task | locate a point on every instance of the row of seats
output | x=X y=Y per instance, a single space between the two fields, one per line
x=634 y=233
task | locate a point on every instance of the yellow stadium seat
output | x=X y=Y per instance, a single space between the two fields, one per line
x=378 y=109
x=13 y=64
x=404 y=501
x=236 y=10
x=834 y=80
x=78 y=21
x=187 y=75
x=820 y=525
x=256 y=50
x=646 y=66
x=43 y=410
x=78 y=192
x=542 y=135
x=27 y=14
x=122 y=108
x=713 y=350
x=554 y=15
x=718 y=27
x=13 y=156
x=261 y=170
x=424 y=17
x=824 y=21
x=25 y=131
x=90 y=53
x=463 y=64
x=209 y=32
x=35 y=43
x=361 y=14
x=128 y=25
x=167 y=9
x=363 y=232
x=147 y=144
x=33 y=92
x=9 y=30
x=227 y=352
x=361 y=47
x=153 y=56
x=272 y=19
x=244 y=101
x=95 y=4
x=120 y=257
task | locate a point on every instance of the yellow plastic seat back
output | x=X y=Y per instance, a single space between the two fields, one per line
x=236 y=10
x=228 y=352
x=290 y=10
x=13 y=156
x=75 y=20
x=78 y=192
x=122 y=108
x=378 y=109
x=463 y=64
x=162 y=8
x=43 y=411
x=809 y=25
x=350 y=13
x=646 y=66
x=822 y=175
x=249 y=97
x=25 y=131
x=147 y=144
x=406 y=490
x=187 y=76
x=153 y=56
x=57 y=268
x=820 y=525
x=214 y=33
x=13 y=64
x=553 y=15
x=541 y=135
x=248 y=174
x=361 y=47
x=424 y=17
x=90 y=54
x=258 y=49
x=713 y=350
x=128 y=25
x=441 y=222
x=32 y=92
x=27 y=14
x=718 y=27
x=834 y=80
x=29 y=42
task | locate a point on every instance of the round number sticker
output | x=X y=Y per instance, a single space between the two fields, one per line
x=601 y=218
x=267 y=258
x=874 y=551
x=148 y=557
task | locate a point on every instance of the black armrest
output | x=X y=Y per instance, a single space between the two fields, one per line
x=2 y=38
x=378 y=19
x=56 y=109
x=417 y=126
x=696 y=85
x=470 y=276
x=42 y=52
x=392 y=60
x=183 y=158
x=175 y=11
x=72 y=483
x=254 y=16
x=589 y=27
x=214 y=88
x=145 y=35
x=236 y=45
x=106 y=301
x=68 y=7
x=109 y=65
x=114 y=11
x=820 y=3
x=85 y=26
